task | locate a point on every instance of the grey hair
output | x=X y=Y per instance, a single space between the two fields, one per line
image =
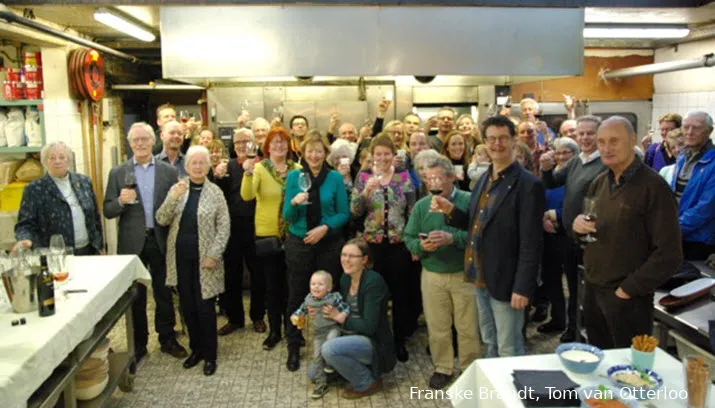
x=589 y=118
x=241 y=131
x=441 y=162
x=425 y=156
x=141 y=125
x=171 y=122
x=193 y=151
x=708 y=118
x=46 y=149
x=261 y=121
x=341 y=148
x=568 y=143
x=529 y=100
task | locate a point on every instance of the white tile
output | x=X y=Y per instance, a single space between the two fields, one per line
x=711 y=97
x=702 y=100
x=658 y=101
x=682 y=100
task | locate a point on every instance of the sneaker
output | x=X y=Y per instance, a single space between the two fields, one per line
x=319 y=390
x=328 y=370
x=439 y=381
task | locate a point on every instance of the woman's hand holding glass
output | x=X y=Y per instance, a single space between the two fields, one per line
x=178 y=189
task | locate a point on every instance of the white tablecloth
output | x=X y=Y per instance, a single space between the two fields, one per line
x=491 y=383
x=29 y=353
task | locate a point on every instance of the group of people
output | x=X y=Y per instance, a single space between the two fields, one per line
x=473 y=226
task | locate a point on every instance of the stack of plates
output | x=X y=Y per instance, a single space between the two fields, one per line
x=93 y=375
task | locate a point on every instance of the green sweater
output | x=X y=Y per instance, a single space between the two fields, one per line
x=447 y=259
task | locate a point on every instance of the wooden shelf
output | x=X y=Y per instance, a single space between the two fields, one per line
x=21 y=102
x=21 y=149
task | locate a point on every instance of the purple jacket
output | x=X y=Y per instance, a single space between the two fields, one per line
x=656 y=157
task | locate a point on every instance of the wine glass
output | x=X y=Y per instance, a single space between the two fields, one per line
x=589 y=211
x=435 y=185
x=57 y=244
x=304 y=184
x=184 y=116
x=130 y=181
x=251 y=149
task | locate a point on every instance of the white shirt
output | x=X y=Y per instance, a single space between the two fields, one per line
x=81 y=237
x=585 y=159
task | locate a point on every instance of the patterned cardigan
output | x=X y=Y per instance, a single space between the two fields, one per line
x=214 y=225
x=45 y=212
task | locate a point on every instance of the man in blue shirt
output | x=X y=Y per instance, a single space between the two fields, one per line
x=172 y=136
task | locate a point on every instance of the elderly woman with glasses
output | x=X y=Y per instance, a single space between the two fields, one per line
x=60 y=202
x=199 y=226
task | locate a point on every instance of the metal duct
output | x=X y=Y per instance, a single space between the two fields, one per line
x=143 y=87
x=11 y=17
x=707 y=60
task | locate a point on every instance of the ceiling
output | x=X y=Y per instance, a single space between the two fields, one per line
x=80 y=18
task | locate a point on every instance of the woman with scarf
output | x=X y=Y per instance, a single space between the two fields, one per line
x=316 y=218
x=265 y=181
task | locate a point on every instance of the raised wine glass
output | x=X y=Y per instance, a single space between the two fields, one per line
x=435 y=186
x=251 y=149
x=304 y=184
x=130 y=181
x=589 y=212
x=184 y=116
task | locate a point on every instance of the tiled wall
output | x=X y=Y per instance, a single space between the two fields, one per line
x=681 y=103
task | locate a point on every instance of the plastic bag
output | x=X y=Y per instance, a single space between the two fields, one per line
x=3 y=119
x=15 y=128
x=31 y=170
x=7 y=171
x=32 y=127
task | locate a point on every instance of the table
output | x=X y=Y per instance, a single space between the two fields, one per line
x=493 y=375
x=52 y=348
x=690 y=320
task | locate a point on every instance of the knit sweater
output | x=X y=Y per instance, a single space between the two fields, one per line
x=447 y=259
x=576 y=176
x=268 y=194
x=639 y=240
x=334 y=204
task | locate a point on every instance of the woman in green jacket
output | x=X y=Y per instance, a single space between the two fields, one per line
x=366 y=349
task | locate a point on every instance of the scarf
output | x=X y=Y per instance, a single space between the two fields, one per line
x=314 y=214
x=268 y=164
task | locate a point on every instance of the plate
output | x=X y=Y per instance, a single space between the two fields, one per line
x=636 y=392
x=693 y=287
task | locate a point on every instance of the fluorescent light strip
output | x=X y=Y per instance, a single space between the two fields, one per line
x=120 y=24
x=634 y=32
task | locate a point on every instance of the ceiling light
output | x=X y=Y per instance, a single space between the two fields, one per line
x=121 y=22
x=634 y=31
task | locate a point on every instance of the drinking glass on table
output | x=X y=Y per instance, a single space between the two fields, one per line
x=304 y=184
x=589 y=212
x=697 y=380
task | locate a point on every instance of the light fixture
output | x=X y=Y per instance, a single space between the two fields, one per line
x=123 y=23
x=635 y=31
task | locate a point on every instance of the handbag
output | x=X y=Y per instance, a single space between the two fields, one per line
x=268 y=246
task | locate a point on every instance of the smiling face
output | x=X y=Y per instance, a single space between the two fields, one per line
x=165 y=115
x=205 y=137
x=215 y=155
x=352 y=259
x=58 y=160
x=198 y=166
x=465 y=127
x=568 y=129
x=586 y=136
x=278 y=148
x=527 y=133
x=172 y=135
x=455 y=147
x=348 y=132
x=396 y=133
x=437 y=179
x=382 y=158
x=418 y=143
x=562 y=155
x=529 y=111
x=319 y=286
x=500 y=144
x=315 y=155
x=239 y=145
x=141 y=142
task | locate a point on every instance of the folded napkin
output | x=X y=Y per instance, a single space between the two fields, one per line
x=533 y=392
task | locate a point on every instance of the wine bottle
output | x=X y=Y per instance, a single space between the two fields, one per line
x=45 y=290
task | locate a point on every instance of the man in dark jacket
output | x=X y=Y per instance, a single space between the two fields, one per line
x=638 y=243
x=504 y=242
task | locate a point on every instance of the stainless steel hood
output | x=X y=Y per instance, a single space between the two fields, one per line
x=209 y=43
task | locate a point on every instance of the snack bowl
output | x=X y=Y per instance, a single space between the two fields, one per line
x=579 y=358
x=600 y=392
x=638 y=384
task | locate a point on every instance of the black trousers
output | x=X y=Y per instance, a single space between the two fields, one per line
x=241 y=246
x=697 y=251
x=394 y=263
x=273 y=268
x=164 y=318
x=611 y=322
x=85 y=250
x=302 y=260
x=414 y=293
x=552 y=270
x=574 y=256
x=199 y=313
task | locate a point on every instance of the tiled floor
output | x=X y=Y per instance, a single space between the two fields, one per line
x=248 y=376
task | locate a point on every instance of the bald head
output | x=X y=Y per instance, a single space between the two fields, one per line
x=620 y=122
x=348 y=132
x=616 y=141
x=568 y=128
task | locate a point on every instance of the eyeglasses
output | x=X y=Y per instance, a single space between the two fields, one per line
x=501 y=139
x=240 y=142
x=140 y=140
x=351 y=256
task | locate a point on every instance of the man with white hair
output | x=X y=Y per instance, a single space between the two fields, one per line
x=568 y=128
x=529 y=110
x=135 y=201
x=637 y=246
x=260 y=130
x=172 y=137
x=694 y=186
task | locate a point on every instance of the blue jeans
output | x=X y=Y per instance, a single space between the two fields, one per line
x=349 y=356
x=500 y=325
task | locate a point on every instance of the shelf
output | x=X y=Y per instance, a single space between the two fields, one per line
x=21 y=149
x=21 y=102
x=118 y=366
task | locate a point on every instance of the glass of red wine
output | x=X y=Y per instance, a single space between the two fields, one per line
x=130 y=181
x=251 y=149
x=184 y=116
x=589 y=212
x=435 y=186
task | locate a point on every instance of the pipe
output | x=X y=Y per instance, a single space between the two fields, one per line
x=166 y=87
x=707 y=60
x=11 y=17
